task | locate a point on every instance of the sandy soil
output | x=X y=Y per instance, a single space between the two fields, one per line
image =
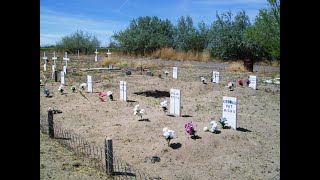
x=252 y=152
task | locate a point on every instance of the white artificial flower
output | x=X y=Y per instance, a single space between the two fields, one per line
x=276 y=82
x=141 y=111
x=83 y=86
x=171 y=133
x=109 y=93
x=214 y=126
x=203 y=79
x=164 y=104
x=269 y=81
x=165 y=129
x=205 y=129
x=167 y=133
x=60 y=87
x=166 y=72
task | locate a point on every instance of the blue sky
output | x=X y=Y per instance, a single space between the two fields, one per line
x=59 y=18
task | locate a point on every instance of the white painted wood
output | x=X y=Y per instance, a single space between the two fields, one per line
x=175 y=72
x=253 y=82
x=175 y=102
x=229 y=111
x=89 y=82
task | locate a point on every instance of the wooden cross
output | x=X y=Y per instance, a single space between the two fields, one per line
x=96 y=57
x=54 y=58
x=66 y=59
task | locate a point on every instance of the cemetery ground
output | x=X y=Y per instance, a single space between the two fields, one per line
x=250 y=152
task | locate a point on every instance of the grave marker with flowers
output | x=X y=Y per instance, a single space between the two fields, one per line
x=175 y=101
x=253 y=82
x=229 y=111
x=123 y=90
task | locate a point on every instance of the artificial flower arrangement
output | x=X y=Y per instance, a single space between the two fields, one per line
x=101 y=95
x=168 y=134
x=203 y=80
x=164 y=105
x=61 y=89
x=223 y=122
x=240 y=83
x=213 y=129
x=230 y=86
x=73 y=88
x=109 y=93
x=247 y=82
x=46 y=92
x=138 y=111
x=189 y=127
x=166 y=72
x=83 y=86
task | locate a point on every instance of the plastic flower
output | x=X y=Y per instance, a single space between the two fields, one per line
x=168 y=134
x=164 y=105
x=203 y=80
x=247 y=82
x=205 y=129
x=166 y=72
x=46 y=92
x=101 y=95
x=138 y=111
x=73 y=88
x=83 y=86
x=189 y=127
x=109 y=93
x=214 y=126
x=240 y=82
x=230 y=86
x=61 y=89
x=223 y=122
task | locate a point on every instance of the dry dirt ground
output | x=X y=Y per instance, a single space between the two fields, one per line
x=57 y=162
x=251 y=152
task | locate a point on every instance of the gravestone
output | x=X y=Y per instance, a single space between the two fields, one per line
x=215 y=77
x=65 y=70
x=53 y=70
x=253 y=82
x=230 y=111
x=45 y=58
x=110 y=66
x=54 y=59
x=62 y=80
x=89 y=82
x=123 y=90
x=175 y=73
x=108 y=54
x=66 y=59
x=175 y=102
x=96 y=56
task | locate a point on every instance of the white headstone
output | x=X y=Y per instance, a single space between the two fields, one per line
x=54 y=59
x=96 y=57
x=89 y=82
x=175 y=73
x=175 y=102
x=66 y=59
x=44 y=57
x=45 y=67
x=123 y=90
x=230 y=111
x=215 y=77
x=110 y=66
x=53 y=69
x=62 y=78
x=253 y=82
x=65 y=69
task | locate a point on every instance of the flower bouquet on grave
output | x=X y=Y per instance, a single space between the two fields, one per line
x=109 y=93
x=138 y=111
x=46 y=92
x=189 y=127
x=230 y=86
x=73 y=88
x=247 y=82
x=83 y=86
x=223 y=122
x=101 y=95
x=168 y=134
x=213 y=129
x=164 y=105
x=61 y=89
x=166 y=72
x=203 y=80
x=240 y=83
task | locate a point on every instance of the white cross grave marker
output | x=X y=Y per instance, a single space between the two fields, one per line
x=62 y=78
x=53 y=69
x=89 y=82
x=96 y=57
x=230 y=111
x=215 y=77
x=54 y=59
x=66 y=59
x=123 y=90
x=45 y=58
x=65 y=70
x=108 y=53
x=253 y=82
x=175 y=101
x=175 y=73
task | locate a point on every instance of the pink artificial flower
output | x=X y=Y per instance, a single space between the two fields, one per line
x=240 y=82
x=101 y=94
x=189 y=127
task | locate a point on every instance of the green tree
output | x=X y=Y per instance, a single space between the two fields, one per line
x=266 y=29
x=84 y=42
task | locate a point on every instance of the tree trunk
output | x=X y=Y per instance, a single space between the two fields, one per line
x=248 y=65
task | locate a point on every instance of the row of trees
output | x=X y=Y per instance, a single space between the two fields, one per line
x=228 y=37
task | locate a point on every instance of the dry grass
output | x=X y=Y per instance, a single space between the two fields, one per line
x=107 y=61
x=145 y=64
x=237 y=66
x=170 y=53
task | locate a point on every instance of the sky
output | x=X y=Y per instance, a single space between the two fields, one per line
x=101 y=18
